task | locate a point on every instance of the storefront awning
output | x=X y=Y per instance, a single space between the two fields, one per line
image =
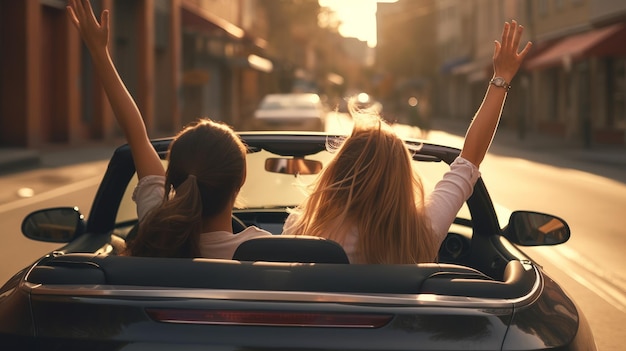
x=255 y=62
x=201 y=19
x=475 y=70
x=607 y=41
x=473 y=66
x=450 y=64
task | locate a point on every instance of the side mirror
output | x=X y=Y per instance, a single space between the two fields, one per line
x=294 y=166
x=536 y=229
x=54 y=225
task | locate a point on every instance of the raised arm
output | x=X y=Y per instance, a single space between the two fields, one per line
x=96 y=37
x=506 y=62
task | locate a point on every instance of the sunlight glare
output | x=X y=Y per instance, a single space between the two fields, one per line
x=358 y=18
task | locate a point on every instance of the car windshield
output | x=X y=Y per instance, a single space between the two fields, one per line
x=264 y=189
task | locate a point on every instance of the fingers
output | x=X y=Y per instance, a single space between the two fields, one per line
x=72 y=11
x=525 y=51
x=506 y=56
x=497 y=48
x=104 y=19
x=511 y=38
x=72 y=16
x=505 y=34
x=89 y=11
x=511 y=33
x=516 y=34
x=75 y=11
x=79 y=10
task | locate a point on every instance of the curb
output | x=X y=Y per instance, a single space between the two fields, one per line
x=12 y=160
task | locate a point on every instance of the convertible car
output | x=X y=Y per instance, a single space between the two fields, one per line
x=284 y=292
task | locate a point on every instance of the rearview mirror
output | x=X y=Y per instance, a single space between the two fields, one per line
x=536 y=229
x=293 y=166
x=54 y=225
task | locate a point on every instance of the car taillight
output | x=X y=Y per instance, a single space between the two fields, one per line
x=270 y=318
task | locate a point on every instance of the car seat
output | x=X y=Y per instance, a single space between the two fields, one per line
x=291 y=248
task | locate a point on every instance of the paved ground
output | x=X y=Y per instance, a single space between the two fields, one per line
x=508 y=140
x=13 y=160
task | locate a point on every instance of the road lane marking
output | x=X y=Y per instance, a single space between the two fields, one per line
x=573 y=255
x=607 y=286
x=73 y=187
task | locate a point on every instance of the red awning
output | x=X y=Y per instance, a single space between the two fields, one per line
x=607 y=41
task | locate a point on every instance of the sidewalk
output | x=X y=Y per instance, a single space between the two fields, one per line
x=507 y=141
x=14 y=160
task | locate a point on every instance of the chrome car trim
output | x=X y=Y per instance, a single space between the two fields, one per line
x=424 y=300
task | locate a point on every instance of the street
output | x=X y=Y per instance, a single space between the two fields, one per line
x=592 y=204
x=589 y=265
x=73 y=185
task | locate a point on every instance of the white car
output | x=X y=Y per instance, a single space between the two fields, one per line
x=294 y=111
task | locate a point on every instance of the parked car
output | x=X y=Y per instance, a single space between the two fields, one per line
x=294 y=111
x=284 y=292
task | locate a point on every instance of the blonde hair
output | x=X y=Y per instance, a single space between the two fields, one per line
x=370 y=185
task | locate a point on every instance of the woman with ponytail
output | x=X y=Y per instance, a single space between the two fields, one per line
x=186 y=210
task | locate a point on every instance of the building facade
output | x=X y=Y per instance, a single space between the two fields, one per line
x=572 y=84
x=578 y=73
x=466 y=34
x=180 y=59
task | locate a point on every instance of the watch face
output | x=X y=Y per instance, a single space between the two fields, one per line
x=499 y=81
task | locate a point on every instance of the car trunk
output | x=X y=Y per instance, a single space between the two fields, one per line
x=224 y=304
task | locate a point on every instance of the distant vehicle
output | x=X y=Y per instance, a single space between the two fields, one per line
x=361 y=101
x=295 y=111
x=283 y=292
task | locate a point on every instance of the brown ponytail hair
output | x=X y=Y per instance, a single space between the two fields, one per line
x=205 y=172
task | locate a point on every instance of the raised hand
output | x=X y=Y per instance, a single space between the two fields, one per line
x=506 y=58
x=506 y=61
x=95 y=34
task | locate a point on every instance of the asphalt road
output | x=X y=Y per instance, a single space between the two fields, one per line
x=24 y=192
x=591 y=197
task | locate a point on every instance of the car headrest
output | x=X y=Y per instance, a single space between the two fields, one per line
x=291 y=248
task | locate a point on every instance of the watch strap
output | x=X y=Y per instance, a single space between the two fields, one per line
x=500 y=82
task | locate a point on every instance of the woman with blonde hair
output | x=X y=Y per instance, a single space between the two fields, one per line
x=370 y=200
x=186 y=210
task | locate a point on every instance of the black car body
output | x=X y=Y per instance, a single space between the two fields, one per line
x=287 y=293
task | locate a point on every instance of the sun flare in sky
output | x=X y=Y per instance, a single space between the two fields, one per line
x=358 y=18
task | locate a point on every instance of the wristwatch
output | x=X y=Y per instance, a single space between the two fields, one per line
x=500 y=82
